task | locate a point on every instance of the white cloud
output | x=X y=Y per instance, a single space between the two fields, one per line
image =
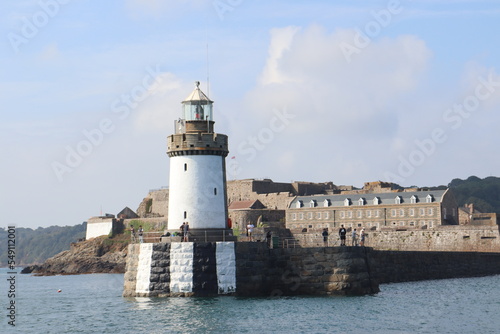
x=162 y=106
x=345 y=114
x=281 y=40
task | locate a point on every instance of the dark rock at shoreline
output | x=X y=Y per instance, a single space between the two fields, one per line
x=97 y=255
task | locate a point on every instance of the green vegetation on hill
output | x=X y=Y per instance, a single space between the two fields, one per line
x=35 y=246
x=483 y=193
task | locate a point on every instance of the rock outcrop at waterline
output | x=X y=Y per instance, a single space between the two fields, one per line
x=97 y=255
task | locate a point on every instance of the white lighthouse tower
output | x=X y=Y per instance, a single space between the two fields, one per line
x=197 y=186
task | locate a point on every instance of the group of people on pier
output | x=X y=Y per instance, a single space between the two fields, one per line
x=140 y=233
x=343 y=236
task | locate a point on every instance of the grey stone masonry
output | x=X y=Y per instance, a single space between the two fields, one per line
x=261 y=271
x=302 y=271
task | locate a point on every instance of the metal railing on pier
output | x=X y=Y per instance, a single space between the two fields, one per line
x=199 y=236
x=147 y=237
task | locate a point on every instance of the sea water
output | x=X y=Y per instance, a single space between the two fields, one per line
x=94 y=304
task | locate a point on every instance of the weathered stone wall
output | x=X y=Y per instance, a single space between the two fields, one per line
x=277 y=201
x=130 y=277
x=301 y=271
x=257 y=270
x=180 y=269
x=268 y=186
x=155 y=224
x=160 y=202
x=272 y=195
x=457 y=238
x=155 y=204
x=490 y=219
x=396 y=266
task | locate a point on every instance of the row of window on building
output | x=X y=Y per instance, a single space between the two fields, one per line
x=362 y=201
x=411 y=212
x=368 y=225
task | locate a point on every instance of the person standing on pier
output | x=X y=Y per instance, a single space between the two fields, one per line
x=250 y=228
x=140 y=232
x=342 y=234
x=325 y=237
x=186 y=231
x=132 y=234
x=354 y=238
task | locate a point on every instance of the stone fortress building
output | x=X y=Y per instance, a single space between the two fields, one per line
x=394 y=218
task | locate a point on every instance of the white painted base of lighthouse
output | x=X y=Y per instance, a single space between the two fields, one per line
x=197 y=192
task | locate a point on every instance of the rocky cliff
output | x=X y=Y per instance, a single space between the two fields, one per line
x=97 y=255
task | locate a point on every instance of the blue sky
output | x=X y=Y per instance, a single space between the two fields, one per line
x=341 y=91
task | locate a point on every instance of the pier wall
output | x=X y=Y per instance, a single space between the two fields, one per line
x=456 y=238
x=251 y=269
x=244 y=269
x=405 y=266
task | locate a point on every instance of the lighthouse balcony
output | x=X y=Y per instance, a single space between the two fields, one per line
x=198 y=142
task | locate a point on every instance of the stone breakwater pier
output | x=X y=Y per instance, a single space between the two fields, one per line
x=251 y=269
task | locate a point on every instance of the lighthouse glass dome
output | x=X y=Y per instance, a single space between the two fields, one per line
x=197 y=106
x=198 y=111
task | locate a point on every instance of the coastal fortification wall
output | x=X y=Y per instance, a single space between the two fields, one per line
x=301 y=271
x=396 y=266
x=153 y=224
x=272 y=195
x=251 y=269
x=456 y=238
x=155 y=204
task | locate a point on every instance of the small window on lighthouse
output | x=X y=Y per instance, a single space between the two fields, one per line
x=215 y=191
x=185 y=214
x=185 y=167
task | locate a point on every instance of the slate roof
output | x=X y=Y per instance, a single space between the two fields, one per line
x=385 y=198
x=127 y=213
